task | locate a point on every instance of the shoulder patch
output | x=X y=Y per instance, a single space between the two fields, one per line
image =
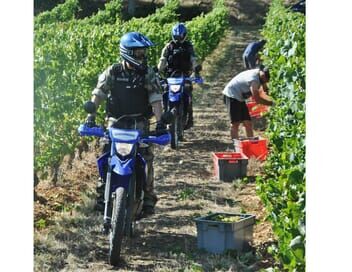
x=121 y=79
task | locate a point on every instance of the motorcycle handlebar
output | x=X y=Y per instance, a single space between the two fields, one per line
x=198 y=80
x=85 y=130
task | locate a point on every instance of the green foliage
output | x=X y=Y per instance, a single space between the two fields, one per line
x=164 y=15
x=60 y=13
x=205 y=31
x=282 y=189
x=41 y=223
x=68 y=10
x=226 y=218
x=70 y=55
x=195 y=267
x=66 y=65
x=187 y=193
x=111 y=14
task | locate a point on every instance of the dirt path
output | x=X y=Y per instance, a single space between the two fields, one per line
x=186 y=188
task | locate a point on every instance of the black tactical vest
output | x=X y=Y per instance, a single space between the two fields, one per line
x=179 y=57
x=128 y=95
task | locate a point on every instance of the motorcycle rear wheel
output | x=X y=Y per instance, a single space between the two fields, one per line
x=117 y=225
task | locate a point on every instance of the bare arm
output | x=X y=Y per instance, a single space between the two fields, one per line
x=152 y=84
x=163 y=60
x=97 y=101
x=265 y=87
x=260 y=97
x=99 y=93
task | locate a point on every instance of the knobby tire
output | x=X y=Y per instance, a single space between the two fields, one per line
x=117 y=225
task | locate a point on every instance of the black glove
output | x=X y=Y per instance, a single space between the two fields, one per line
x=197 y=69
x=160 y=126
x=90 y=122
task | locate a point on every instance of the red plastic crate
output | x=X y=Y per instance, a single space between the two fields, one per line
x=256 y=110
x=229 y=165
x=252 y=147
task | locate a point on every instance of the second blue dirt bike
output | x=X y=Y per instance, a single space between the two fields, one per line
x=177 y=102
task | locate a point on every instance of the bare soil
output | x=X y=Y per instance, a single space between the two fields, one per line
x=67 y=229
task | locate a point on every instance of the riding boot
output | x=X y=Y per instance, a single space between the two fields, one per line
x=100 y=190
x=189 y=123
x=165 y=101
x=150 y=197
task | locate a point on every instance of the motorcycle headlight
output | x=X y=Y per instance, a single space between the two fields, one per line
x=175 y=88
x=123 y=149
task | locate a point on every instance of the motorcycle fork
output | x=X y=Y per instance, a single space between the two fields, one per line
x=139 y=191
x=130 y=215
x=107 y=211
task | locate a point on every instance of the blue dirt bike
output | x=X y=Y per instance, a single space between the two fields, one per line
x=177 y=102
x=123 y=196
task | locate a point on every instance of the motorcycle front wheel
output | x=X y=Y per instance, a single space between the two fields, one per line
x=130 y=209
x=117 y=225
x=174 y=131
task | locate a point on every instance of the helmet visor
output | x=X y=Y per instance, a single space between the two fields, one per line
x=140 y=53
x=179 y=38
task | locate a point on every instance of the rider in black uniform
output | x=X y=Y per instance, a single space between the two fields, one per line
x=178 y=58
x=131 y=87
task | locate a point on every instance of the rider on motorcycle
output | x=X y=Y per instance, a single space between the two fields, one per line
x=131 y=87
x=177 y=58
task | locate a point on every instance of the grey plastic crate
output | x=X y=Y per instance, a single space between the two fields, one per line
x=216 y=237
x=227 y=168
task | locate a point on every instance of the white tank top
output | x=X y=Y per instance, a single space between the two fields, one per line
x=239 y=86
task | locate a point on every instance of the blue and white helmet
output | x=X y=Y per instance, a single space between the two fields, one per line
x=179 y=33
x=131 y=41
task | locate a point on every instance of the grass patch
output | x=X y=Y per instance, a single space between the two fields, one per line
x=187 y=193
x=41 y=223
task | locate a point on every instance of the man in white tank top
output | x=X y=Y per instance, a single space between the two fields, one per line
x=240 y=88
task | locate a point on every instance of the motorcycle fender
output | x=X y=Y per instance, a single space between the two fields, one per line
x=122 y=168
x=173 y=97
x=119 y=181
